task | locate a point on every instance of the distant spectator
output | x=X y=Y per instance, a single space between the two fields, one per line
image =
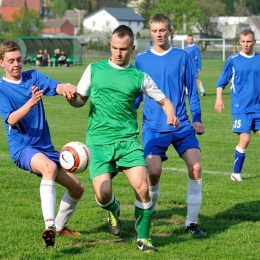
x=46 y=58
x=39 y=58
x=62 y=59
x=56 y=57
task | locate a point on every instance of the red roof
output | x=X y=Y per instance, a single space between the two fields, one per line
x=7 y=13
x=30 y=4
x=9 y=7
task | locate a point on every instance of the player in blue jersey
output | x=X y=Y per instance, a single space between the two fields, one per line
x=112 y=86
x=173 y=71
x=29 y=139
x=243 y=71
x=194 y=51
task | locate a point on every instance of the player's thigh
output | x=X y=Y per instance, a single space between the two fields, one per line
x=242 y=123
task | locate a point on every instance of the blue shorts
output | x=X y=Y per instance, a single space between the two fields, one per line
x=158 y=143
x=24 y=161
x=244 y=123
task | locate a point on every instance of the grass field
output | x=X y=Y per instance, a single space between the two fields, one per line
x=230 y=211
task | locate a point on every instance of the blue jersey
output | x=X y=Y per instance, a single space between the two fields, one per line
x=172 y=72
x=244 y=74
x=33 y=129
x=194 y=52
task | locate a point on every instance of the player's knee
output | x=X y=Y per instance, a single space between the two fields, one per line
x=77 y=191
x=195 y=171
x=49 y=170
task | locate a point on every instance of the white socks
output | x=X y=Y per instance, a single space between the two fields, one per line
x=154 y=192
x=202 y=90
x=48 y=201
x=67 y=207
x=194 y=198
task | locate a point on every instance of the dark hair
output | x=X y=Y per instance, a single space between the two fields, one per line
x=8 y=46
x=161 y=17
x=122 y=31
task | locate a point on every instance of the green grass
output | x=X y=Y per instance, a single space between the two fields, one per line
x=229 y=213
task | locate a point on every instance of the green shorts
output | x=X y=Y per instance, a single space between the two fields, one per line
x=111 y=158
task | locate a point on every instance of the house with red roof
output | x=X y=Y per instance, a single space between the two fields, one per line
x=9 y=7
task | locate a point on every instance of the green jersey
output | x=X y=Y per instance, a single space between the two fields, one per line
x=112 y=91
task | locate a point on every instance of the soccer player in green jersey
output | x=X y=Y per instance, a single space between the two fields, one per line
x=113 y=85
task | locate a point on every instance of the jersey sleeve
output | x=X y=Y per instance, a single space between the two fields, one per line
x=225 y=75
x=48 y=85
x=199 y=58
x=190 y=82
x=85 y=82
x=150 y=89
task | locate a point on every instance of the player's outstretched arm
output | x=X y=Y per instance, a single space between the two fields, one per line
x=219 y=105
x=169 y=110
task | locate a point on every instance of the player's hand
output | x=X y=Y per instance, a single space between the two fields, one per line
x=173 y=121
x=199 y=128
x=36 y=95
x=219 y=105
x=68 y=91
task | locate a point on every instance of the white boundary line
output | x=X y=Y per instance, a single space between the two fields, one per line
x=184 y=170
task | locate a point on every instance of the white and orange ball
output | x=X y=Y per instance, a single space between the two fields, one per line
x=75 y=157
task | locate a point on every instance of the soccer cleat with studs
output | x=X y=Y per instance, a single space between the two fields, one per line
x=114 y=223
x=145 y=245
x=68 y=232
x=194 y=229
x=49 y=236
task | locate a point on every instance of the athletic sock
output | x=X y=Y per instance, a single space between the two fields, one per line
x=67 y=206
x=111 y=206
x=48 y=201
x=240 y=155
x=194 y=198
x=202 y=90
x=143 y=216
x=154 y=192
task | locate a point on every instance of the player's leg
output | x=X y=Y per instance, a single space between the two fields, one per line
x=194 y=194
x=187 y=146
x=101 y=170
x=68 y=202
x=155 y=145
x=241 y=126
x=40 y=164
x=200 y=86
x=137 y=177
x=102 y=185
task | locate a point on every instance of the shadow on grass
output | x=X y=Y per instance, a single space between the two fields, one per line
x=242 y=212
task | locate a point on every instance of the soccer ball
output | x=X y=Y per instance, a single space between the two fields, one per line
x=75 y=157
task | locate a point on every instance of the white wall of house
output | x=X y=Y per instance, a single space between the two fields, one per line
x=103 y=21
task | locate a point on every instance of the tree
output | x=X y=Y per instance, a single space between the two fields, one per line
x=26 y=22
x=144 y=10
x=253 y=6
x=59 y=8
x=183 y=13
x=210 y=8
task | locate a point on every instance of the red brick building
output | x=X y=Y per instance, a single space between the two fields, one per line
x=57 y=26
